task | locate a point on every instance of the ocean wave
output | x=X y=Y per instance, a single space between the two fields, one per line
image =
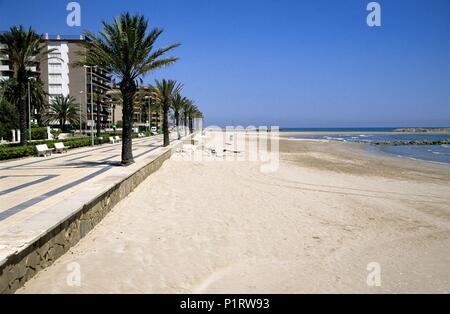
x=334 y=138
x=440 y=153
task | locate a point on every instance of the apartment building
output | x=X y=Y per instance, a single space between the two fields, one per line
x=145 y=113
x=5 y=72
x=141 y=109
x=61 y=77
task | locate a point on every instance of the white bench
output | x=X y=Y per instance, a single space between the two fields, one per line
x=61 y=148
x=117 y=139
x=43 y=150
x=112 y=140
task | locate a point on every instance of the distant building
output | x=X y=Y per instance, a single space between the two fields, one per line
x=156 y=119
x=141 y=110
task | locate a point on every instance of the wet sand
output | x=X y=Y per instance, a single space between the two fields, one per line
x=312 y=226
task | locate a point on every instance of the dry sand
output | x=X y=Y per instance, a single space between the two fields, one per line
x=312 y=226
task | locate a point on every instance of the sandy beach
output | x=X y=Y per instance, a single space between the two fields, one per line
x=313 y=226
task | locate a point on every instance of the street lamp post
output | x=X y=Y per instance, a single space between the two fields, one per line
x=92 y=104
x=92 y=112
x=81 y=104
x=110 y=114
x=149 y=113
x=29 y=108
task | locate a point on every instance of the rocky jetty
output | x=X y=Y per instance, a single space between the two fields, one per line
x=435 y=142
x=423 y=130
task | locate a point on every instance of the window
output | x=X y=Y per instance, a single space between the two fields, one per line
x=54 y=88
x=54 y=55
x=54 y=65
x=55 y=75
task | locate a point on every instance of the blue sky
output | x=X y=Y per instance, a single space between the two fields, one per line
x=291 y=63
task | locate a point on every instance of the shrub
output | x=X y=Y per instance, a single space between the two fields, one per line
x=16 y=152
x=9 y=119
x=55 y=133
x=39 y=133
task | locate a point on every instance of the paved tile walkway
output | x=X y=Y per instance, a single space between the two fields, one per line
x=30 y=185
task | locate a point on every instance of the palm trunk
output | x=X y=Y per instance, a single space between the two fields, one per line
x=128 y=89
x=98 y=126
x=191 y=127
x=177 y=123
x=185 y=124
x=166 y=125
x=39 y=120
x=23 y=108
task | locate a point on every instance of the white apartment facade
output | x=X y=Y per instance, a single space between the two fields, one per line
x=5 y=71
x=58 y=69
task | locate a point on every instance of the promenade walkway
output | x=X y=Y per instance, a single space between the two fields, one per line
x=30 y=185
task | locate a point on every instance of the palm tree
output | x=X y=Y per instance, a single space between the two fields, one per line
x=9 y=118
x=39 y=99
x=164 y=92
x=126 y=50
x=186 y=109
x=198 y=114
x=25 y=49
x=193 y=112
x=178 y=102
x=63 y=109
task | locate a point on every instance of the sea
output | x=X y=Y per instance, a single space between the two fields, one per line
x=431 y=153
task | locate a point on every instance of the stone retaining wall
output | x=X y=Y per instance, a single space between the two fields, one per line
x=23 y=265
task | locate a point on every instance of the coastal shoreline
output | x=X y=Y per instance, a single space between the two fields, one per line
x=429 y=147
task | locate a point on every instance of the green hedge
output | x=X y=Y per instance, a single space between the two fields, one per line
x=16 y=152
x=13 y=151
